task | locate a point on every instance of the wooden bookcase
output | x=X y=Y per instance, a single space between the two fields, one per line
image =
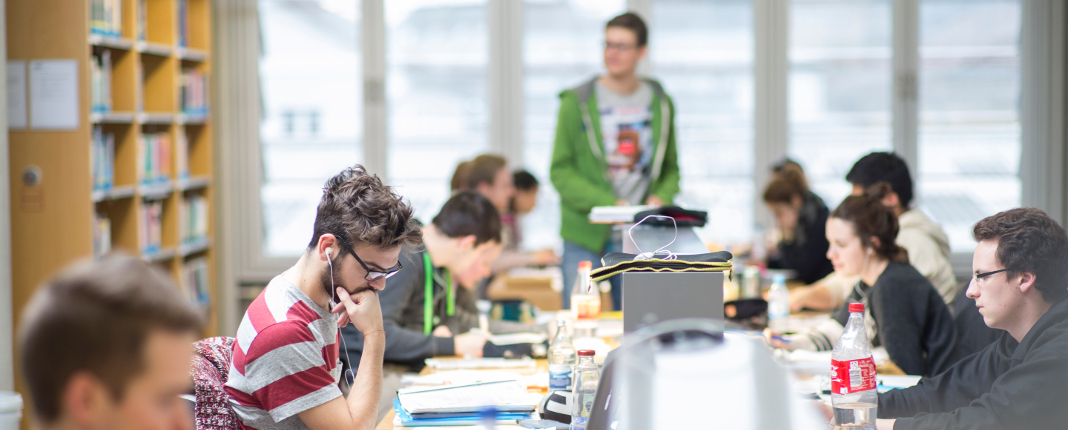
x=53 y=222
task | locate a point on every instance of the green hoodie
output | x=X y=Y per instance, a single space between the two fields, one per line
x=579 y=171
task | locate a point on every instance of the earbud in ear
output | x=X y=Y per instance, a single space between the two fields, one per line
x=328 y=252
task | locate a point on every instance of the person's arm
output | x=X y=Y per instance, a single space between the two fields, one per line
x=575 y=190
x=957 y=387
x=816 y=296
x=360 y=409
x=512 y=259
x=666 y=186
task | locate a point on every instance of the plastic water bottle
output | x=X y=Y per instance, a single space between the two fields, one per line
x=778 y=304
x=853 y=374
x=585 y=303
x=562 y=358
x=751 y=276
x=587 y=376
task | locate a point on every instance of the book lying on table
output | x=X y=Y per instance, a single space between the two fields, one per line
x=506 y=396
x=404 y=419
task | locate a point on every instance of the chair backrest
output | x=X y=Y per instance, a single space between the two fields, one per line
x=210 y=369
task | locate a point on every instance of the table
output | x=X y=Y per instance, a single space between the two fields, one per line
x=387 y=421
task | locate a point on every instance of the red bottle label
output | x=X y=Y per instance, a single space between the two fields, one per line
x=851 y=376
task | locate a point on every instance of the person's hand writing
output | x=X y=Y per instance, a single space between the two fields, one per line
x=774 y=340
x=362 y=309
x=469 y=345
x=442 y=331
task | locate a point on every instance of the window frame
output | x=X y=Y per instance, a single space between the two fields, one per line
x=1042 y=109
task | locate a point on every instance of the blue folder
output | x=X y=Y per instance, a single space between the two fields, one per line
x=461 y=419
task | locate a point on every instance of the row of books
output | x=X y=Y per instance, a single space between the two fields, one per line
x=194 y=92
x=151 y=226
x=102 y=154
x=101 y=234
x=193 y=219
x=105 y=17
x=195 y=281
x=154 y=158
x=100 y=81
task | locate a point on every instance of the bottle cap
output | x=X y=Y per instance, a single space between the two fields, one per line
x=585 y=265
x=856 y=307
x=779 y=278
x=586 y=352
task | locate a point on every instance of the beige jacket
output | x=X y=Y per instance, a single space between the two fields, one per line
x=928 y=248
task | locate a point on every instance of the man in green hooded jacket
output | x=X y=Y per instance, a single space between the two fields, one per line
x=615 y=145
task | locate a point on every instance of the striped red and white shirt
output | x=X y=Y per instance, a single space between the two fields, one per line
x=285 y=359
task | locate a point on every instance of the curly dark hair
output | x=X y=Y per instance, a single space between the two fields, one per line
x=361 y=209
x=870 y=218
x=1029 y=241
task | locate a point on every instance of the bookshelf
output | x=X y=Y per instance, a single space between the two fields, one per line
x=136 y=174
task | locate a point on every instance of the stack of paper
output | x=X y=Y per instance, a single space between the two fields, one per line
x=615 y=214
x=461 y=404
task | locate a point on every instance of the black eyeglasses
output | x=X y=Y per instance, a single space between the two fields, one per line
x=371 y=274
x=977 y=276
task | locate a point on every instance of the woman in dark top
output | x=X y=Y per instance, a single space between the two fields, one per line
x=904 y=313
x=801 y=217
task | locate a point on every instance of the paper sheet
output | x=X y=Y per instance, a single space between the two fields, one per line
x=54 y=94
x=481 y=363
x=505 y=395
x=17 y=114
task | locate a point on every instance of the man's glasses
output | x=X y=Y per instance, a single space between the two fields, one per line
x=621 y=47
x=977 y=276
x=372 y=275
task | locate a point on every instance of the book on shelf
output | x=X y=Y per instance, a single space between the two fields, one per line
x=105 y=17
x=154 y=158
x=194 y=92
x=181 y=152
x=100 y=81
x=151 y=226
x=142 y=20
x=102 y=155
x=193 y=219
x=195 y=280
x=183 y=23
x=101 y=234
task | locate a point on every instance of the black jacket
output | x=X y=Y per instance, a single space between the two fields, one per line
x=1007 y=385
x=807 y=253
x=911 y=320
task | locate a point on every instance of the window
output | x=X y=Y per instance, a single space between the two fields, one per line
x=311 y=126
x=562 y=48
x=839 y=88
x=436 y=56
x=969 y=132
x=702 y=52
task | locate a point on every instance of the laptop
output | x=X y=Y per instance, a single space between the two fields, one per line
x=653 y=297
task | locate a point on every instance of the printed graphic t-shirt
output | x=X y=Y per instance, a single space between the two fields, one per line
x=626 y=125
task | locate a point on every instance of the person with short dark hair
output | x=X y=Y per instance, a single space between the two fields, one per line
x=927 y=244
x=106 y=344
x=286 y=364
x=801 y=217
x=614 y=145
x=1020 y=284
x=523 y=201
x=905 y=313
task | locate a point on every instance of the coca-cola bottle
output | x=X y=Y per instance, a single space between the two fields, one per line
x=853 y=393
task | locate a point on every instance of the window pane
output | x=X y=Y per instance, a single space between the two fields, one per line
x=702 y=52
x=436 y=56
x=311 y=127
x=561 y=49
x=840 y=92
x=969 y=136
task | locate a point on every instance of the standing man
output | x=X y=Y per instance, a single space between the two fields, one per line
x=615 y=145
x=1020 y=285
x=106 y=345
x=286 y=368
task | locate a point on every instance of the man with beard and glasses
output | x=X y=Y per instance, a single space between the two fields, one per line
x=286 y=367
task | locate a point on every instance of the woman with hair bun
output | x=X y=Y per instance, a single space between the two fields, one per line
x=801 y=217
x=905 y=314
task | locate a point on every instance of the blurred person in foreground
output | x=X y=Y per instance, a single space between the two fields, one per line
x=107 y=345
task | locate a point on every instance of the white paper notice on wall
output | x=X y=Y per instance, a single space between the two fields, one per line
x=17 y=114
x=54 y=94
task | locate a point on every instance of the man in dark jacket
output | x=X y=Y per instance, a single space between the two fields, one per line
x=1020 y=381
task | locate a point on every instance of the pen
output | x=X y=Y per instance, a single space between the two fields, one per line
x=780 y=338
